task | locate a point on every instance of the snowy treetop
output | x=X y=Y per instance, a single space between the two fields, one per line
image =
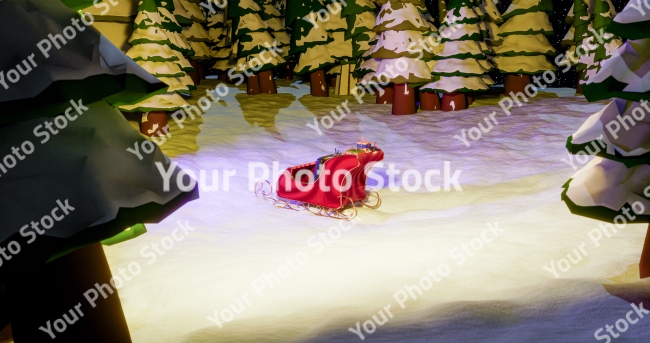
x=527 y=24
x=518 y=7
x=400 y=16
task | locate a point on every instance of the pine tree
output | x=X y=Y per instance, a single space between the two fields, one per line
x=116 y=23
x=492 y=21
x=85 y=165
x=309 y=40
x=461 y=66
x=623 y=75
x=489 y=21
x=582 y=19
x=614 y=183
x=180 y=46
x=400 y=24
x=256 y=57
x=525 y=47
x=361 y=18
x=151 y=50
x=283 y=37
x=222 y=52
x=602 y=49
x=341 y=49
x=272 y=15
x=216 y=28
x=197 y=37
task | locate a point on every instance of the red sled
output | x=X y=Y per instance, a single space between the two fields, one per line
x=339 y=184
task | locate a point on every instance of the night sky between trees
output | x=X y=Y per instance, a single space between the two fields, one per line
x=561 y=9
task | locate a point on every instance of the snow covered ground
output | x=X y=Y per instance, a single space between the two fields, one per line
x=511 y=179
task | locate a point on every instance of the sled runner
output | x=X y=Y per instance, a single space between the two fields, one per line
x=329 y=186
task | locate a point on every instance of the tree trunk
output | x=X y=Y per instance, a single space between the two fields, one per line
x=453 y=102
x=51 y=292
x=644 y=264
x=332 y=80
x=318 y=84
x=385 y=96
x=345 y=81
x=578 y=85
x=516 y=83
x=154 y=124
x=201 y=71
x=253 y=85
x=223 y=77
x=286 y=71
x=267 y=83
x=195 y=74
x=469 y=97
x=429 y=101
x=403 y=99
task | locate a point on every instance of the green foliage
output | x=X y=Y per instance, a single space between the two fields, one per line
x=128 y=234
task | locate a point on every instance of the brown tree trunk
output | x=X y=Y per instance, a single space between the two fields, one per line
x=516 y=83
x=333 y=80
x=286 y=71
x=644 y=264
x=469 y=97
x=345 y=81
x=318 y=84
x=267 y=83
x=154 y=124
x=253 y=85
x=385 y=97
x=578 y=85
x=429 y=101
x=47 y=294
x=223 y=77
x=453 y=102
x=201 y=71
x=195 y=74
x=403 y=100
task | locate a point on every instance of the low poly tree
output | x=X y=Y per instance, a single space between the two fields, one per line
x=624 y=74
x=196 y=35
x=309 y=41
x=100 y=189
x=613 y=187
x=602 y=49
x=492 y=21
x=115 y=22
x=223 y=54
x=525 y=48
x=399 y=25
x=361 y=18
x=272 y=16
x=216 y=27
x=179 y=45
x=283 y=37
x=461 y=66
x=256 y=58
x=151 y=50
x=488 y=23
x=341 y=48
x=582 y=30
